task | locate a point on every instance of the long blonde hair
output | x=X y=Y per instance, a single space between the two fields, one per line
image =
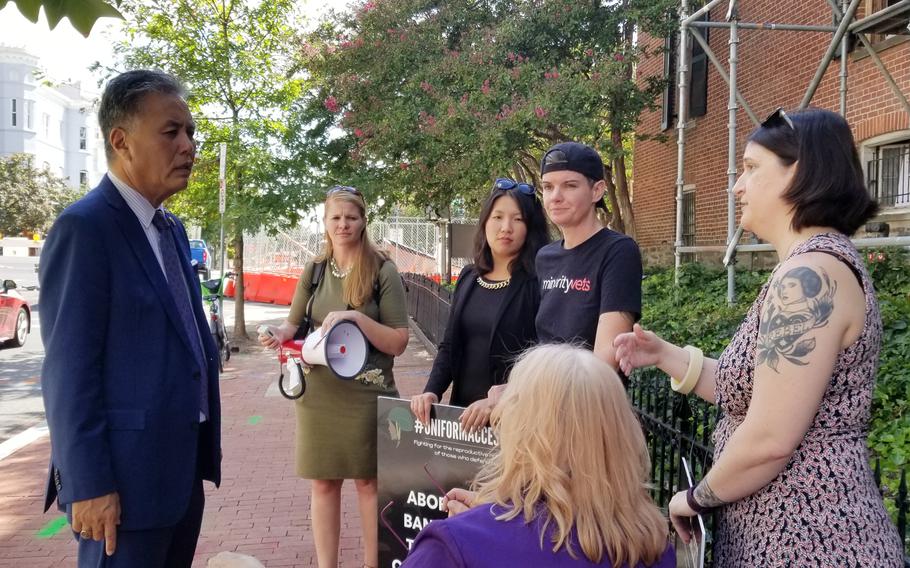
x=572 y=450
x=358 y=284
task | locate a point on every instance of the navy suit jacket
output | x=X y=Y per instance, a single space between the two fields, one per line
x=120 y=382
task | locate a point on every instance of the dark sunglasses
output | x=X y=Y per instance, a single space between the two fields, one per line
x=554 y=157
x=505 y=184
x=344 y=189
x=778 y=118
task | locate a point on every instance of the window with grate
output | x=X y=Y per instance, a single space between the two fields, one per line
x=888 y=174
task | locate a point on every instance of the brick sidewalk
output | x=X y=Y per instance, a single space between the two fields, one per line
x=262 y=508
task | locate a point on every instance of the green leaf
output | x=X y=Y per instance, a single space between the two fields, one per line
x=82 y=13
x=28 y=8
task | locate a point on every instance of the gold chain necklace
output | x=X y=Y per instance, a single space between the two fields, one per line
x=493 y=286
x=337 y=272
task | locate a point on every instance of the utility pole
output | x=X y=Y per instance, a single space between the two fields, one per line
x=221 y=203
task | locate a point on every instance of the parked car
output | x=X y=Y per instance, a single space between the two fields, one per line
x=15 y=316
x=203 y=256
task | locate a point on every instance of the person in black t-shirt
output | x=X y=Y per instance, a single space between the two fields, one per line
x=493 y=308
x=590 y=281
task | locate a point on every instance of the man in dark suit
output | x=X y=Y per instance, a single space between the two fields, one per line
x=130 y=377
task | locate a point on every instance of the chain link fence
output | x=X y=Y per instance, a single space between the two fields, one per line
x=413 y=243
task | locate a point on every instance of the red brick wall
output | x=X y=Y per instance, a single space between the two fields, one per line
x=775 y=68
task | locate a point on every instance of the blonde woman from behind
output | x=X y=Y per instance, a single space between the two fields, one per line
x=568 y=485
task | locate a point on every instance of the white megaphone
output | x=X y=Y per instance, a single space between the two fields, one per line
x=343 y=349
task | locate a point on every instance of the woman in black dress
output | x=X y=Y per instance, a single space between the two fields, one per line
x=494 y=305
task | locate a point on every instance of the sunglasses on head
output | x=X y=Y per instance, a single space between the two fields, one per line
x=343 y=189
x=778 y=118
x=505 y=184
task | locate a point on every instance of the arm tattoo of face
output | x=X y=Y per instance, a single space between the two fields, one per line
x=797 y=302
x=705 y=496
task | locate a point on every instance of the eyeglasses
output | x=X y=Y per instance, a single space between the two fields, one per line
x=554 y=157
x=505 y=184
x=777 y=118
x=382 y=513
x=345 y=189
x=426 y=468
x=389 y=526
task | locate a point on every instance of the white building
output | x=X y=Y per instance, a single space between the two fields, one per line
x=58 y=125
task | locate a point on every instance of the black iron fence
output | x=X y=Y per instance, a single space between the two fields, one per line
x=675 y=426
x=428 y=305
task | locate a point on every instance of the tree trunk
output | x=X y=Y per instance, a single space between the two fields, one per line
x=239 y=312
x=617 y=222
x=239 y=316
x=622 y=196
x=531 y=167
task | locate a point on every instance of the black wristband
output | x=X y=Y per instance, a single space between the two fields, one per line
x=694 y=504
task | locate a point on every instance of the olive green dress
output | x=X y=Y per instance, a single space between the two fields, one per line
x=336 y=419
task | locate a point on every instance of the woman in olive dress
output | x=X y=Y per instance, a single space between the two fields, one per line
x=336 y=419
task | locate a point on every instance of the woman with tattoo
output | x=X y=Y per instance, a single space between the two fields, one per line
x=791 y=482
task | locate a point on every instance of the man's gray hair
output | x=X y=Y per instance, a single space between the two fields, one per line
x=123 y=95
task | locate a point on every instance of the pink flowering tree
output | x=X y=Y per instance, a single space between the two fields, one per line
x=427 y=103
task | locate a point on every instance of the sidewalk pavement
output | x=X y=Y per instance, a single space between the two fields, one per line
x=262 y=508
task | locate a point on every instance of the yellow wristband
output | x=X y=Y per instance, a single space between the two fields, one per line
x=693 y=371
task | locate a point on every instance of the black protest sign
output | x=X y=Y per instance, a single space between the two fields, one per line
x=417 y=464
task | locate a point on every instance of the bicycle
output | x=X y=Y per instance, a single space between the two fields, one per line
x=212 y=292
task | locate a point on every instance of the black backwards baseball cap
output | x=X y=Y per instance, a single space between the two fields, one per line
x=574 y=157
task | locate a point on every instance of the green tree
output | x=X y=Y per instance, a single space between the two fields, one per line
x=434 y=99
x=236 y=59
x=30 y=198
x=81 y=13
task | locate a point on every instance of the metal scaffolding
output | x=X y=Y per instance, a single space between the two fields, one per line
x=892 y=19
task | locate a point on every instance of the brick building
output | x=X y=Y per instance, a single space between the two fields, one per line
x=774 y=69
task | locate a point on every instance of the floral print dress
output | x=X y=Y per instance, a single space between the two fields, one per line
x=824 y=508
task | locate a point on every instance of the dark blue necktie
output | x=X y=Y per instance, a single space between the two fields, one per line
x=177 y=285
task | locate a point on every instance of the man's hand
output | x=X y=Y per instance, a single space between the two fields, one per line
x=477 y=415
x=98 y=519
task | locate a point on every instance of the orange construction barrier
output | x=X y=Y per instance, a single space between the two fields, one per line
x=268 y=288
x=287 y=285
x=250 y=285
x=229 y=288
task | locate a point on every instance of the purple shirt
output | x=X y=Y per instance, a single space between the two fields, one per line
x=475 y=539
